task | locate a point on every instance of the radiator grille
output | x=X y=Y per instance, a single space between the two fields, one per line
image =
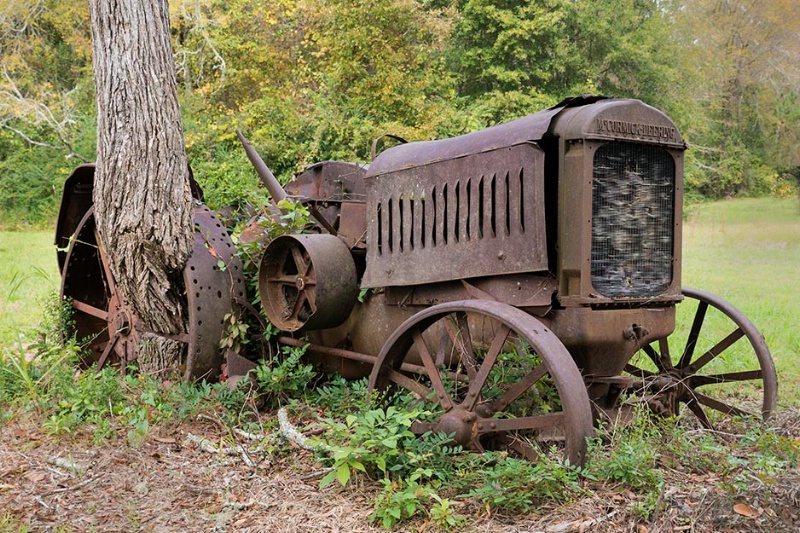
x=633 y=195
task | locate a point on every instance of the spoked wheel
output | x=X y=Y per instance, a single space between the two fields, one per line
x=716 y=363
x=492 y=378
x=212 y=279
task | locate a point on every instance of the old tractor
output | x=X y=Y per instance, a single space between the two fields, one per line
x=519 y=282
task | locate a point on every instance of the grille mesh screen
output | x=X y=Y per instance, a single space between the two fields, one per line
x=633 y=191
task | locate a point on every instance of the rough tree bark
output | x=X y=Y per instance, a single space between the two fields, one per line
x=143 y=204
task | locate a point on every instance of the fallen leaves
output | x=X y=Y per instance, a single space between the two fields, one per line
x=747 y=511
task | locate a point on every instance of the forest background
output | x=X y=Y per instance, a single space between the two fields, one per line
x=310 y=80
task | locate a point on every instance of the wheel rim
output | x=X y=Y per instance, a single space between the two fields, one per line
x=113 y=331
x=101 y=314
x=716 y=362
x=491 y=376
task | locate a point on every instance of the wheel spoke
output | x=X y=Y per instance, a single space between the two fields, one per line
x=495 y=425
x=298 y=305
x=518 y=388
x=459 y=334
x=524 y=449
x=433 y=372
x=475 y=386
x=636 y=371
x=90 y=310
x=284 y=280
x=112 y=288
x=666 y=358
x=691 y=341
x=476 y=445
x=107 y=351
x=716 y=379
x=654 y=356
x=300 y=261
x=719 y=405
x=720 y=347
x=519 y=445
x=407 y=383
x=697 y=409
x=311 y=296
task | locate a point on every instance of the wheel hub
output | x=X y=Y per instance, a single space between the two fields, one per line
x=120 y=318
x=459 y=423
x=667 y=390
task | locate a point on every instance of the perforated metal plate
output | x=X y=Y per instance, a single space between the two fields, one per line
x=213 y=278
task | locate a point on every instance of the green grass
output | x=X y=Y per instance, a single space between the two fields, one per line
x=28 y=276
x=748 y=252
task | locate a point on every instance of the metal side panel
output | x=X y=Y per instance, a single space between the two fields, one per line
x=477 y=215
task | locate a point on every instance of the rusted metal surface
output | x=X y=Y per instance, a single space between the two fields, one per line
x=477 y=215
x=619 y=193
x=539 y=255
x=476 y=332
x=330 y=181
x=213 y=278
x=534 y=292
x=307 y=281
x=685 y=374
x=112 y=329
x=267 y=177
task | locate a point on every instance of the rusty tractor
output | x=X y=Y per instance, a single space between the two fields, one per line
x=519 y=282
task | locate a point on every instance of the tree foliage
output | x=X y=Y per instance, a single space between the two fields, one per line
x=320 y=79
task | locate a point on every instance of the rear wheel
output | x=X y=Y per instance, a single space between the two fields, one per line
x=212 y=280
x=491 y=377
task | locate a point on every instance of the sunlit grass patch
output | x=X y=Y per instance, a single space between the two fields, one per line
x=747 y=251
x=28 y=275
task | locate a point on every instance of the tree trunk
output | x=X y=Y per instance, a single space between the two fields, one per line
x=142 y=200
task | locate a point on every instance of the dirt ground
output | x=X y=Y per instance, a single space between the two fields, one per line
x=169 y=483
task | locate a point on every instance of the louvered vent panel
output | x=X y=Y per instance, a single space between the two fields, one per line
x=633 y=192
x=478 y=215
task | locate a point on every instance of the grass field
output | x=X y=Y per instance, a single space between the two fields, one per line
x=746 y=251
x=28 y=276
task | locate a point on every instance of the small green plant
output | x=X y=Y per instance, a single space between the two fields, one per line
x=370 y=441
x=631 y=455
x=234 y=337
x=518 y=485
x=401 y=500
x=283 y=377
x=442 y=514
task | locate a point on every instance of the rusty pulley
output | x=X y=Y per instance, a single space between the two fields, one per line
x=307 y=282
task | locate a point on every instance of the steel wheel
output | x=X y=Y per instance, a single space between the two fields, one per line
x=723 y=368
x=212 y=279
x=491 y=376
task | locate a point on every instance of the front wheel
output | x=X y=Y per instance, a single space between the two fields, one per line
x=716 y=363
x=489 y=376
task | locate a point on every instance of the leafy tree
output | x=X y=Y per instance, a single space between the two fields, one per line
x=747 y=53
x=515 y=57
